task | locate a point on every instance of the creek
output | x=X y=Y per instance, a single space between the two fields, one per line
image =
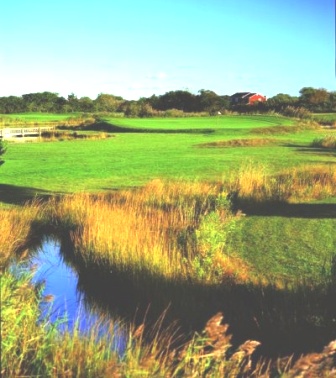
x=69 y=308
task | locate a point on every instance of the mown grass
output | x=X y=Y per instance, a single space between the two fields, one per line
x=133 y=159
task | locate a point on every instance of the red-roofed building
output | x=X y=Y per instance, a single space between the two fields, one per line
x=247 y=98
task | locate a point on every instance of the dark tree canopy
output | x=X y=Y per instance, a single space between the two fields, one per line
x=312 y=99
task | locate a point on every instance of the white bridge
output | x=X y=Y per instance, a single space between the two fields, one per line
x=21 y=132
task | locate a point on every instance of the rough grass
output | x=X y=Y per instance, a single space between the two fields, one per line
x=253 y=142
x=328 y=141
x=256 y=183
x=298 y=127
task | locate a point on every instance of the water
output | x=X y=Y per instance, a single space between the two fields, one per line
x=69 y=307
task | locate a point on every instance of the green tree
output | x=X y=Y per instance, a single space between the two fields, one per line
x=314 y=99
x=281 y=100
x=11 y=104
x=181 y=100
x=40 y=102
x=107 y=103
x=85 y=104
x=72 y=103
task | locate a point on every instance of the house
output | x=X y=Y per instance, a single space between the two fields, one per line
x=247 y=98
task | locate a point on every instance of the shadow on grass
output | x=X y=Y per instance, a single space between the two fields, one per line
x=18 y=195
x=110 y=128
x=312 y=150
x=288 y=210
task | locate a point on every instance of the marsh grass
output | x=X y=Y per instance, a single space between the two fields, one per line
x=137 y=231
x=37 y=348
x=16 y=228
x=32 y=347
x=254 y=183
x=167 y=239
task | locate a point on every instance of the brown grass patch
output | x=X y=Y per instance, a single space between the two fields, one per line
x=282 y=129
x=252 y=142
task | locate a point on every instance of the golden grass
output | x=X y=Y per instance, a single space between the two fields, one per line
x=255 y=183
x=15 y=229
x=139 y=229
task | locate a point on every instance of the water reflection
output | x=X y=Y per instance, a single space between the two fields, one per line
x=69 y=307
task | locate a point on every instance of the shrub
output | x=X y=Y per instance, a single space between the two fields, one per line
x=297 y=112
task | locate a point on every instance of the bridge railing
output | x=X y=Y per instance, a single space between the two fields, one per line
x=13 y=132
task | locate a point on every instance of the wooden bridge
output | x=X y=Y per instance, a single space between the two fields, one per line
x=21 y=132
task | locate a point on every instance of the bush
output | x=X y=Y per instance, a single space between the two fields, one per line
x=297 y=112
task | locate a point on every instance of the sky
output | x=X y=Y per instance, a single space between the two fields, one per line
x=137 y=48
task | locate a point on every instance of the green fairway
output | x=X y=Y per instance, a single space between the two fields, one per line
x=131 y=159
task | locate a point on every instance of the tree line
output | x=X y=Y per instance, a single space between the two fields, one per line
x=171 y=103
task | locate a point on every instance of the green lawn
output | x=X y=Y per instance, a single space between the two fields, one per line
x=131 y=159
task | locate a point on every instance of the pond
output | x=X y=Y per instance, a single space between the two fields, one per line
x=69 y=307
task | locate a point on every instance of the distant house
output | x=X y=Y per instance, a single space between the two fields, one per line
x=247 y=98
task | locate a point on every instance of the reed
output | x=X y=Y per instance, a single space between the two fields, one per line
x=138 y=231
x=15 y=235
x=31 y=346
x=37 y=348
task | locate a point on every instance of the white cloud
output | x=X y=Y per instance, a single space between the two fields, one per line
x=158 y=76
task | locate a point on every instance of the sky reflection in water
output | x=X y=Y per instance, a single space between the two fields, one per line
x=60 y=281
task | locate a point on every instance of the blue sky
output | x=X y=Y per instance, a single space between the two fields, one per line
x=136 y=48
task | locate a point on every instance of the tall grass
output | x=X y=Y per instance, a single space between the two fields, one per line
x=139 y=231
x=16 y=228
x=255 y=184
x=33 y=348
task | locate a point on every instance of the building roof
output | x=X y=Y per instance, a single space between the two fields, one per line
x=243 y=94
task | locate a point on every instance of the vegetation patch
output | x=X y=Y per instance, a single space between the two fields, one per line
x=328 y=141
x=290 y=129
x=256 y=142
x=41 y=119
x=255 y=184
x=64 y=135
